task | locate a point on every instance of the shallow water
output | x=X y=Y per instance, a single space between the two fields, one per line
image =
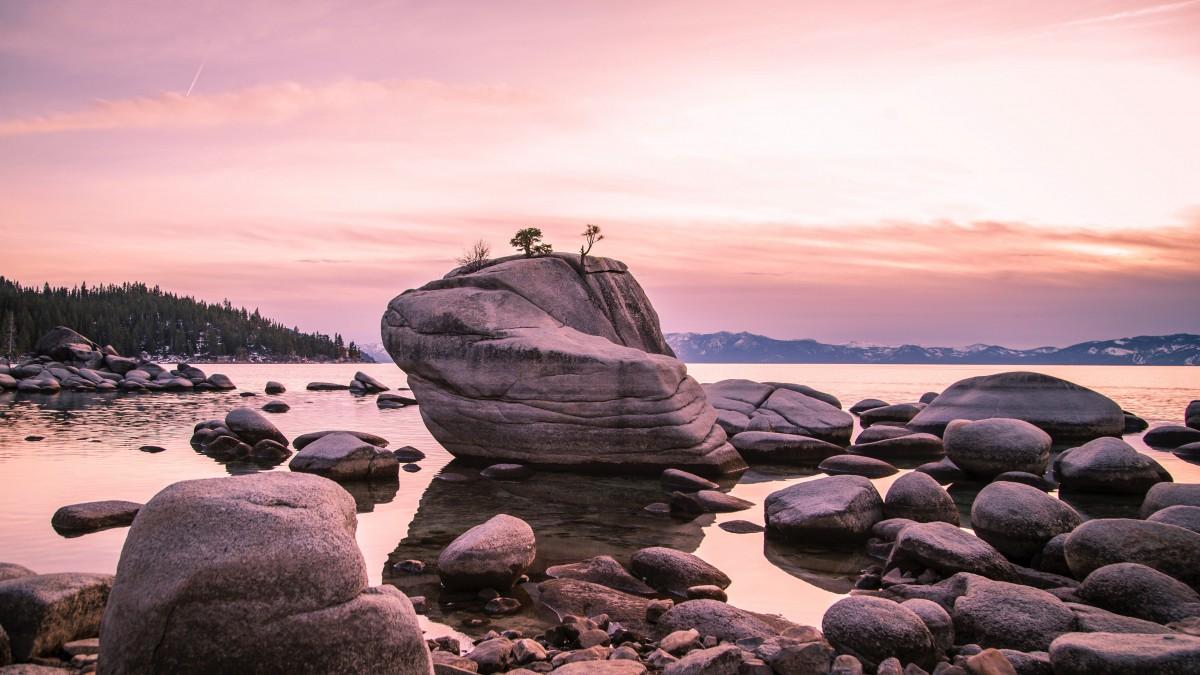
x=90 y=452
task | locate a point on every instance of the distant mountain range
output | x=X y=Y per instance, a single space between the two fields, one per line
x=1181 y=349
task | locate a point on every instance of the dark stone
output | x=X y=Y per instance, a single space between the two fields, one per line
x=898 y=412
x=1139 y=591
x=1162 y=495
x=304 y=439
x=917 y=497
x=152 y=449
x=326 y=386
x=989 y=447
x=874 y=629
x=674 y=571
x=908 y=446
x=274 y=388
x=720 y=620
x=1171 y=436
x=252 y=427
x=936 y=619
x=674 y=479
x=92 y=516
x=867 y=404
x=1107 y=465
x=770 y=447
x=1187 y=517
x=837 y=509
x=603 y=570
x=507 y=472
x=1009 y=616
x=345 y=457
x=407 y=453
x=1118 y=654
x=744 y=405
x=707 y=501
x=1032 y=480
x=490 y=555
x=1166 y=548
x=856 y=465
x=1019 y=520
x=881 y=432
x=740 y=527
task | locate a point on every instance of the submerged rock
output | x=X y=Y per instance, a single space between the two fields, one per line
x=707 y=501
x=252 y=427
x=833 y=510
x=274 y=388
x=570 y=361
x=326 y=386
x=1019 y=520
x=92 y=516
x=1107 y=465
x=490 y=555
x=673 y=571
x=603 y=570
x=1064 y=410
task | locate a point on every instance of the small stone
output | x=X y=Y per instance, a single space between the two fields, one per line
x=152 y=449
x=680 y=641
x=741 y=527
x=706 y=592
x=656 y=608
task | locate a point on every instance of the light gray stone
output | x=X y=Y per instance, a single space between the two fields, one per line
x=492 y=554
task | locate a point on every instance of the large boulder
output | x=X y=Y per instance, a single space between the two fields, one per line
x=1066 y=411
x=1136 y=590
x=1169 y=549
x=945 y=549
x=42 y=612
x=1107 y=465
x=772 y=447
x=1124 y=654
x=1162 y=495
x=543 y=362
x=989 y=447
x=744 y=405
x=255 y=573
x=919 y=498
x=342 y=456
x=674 y=571
x=1019 y=519
x=1009 y=616
x=836 y=509
x=492 y=554
x=1191 y=415
x=63 y=344
x=874 y=629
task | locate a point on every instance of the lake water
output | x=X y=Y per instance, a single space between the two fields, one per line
x=90 y=452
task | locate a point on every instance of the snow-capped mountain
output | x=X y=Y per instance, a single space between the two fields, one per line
x=1181 y=349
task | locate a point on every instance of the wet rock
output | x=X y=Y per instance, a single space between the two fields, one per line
x=721 y=660
x=251 y=427
x=1162 y=495
x=1133 y=423
x=721 y=620
x=943 y=471
x=326 y=386
x=936 y=619
x=603 y=570
x=947 y=550
x=368 y=383
x=407 y=453
x=1003 y=615
x=564 y=597
x=1188 y=451
x=490 y=555
x=152 y=449
x=221 y=382
x=1187 y=517
x=304 y=439
x=43 y=611
x=874 y=629
x=1139 y=591
x=1066 y=411
x=917 y=497
x=1019 y=520
x=344 y=457
x=989 y=447
x=501 y=606
x=674 y=479
x=837 y=509
x=276 y=407
x=740 y=527
x=1166 y=548
x=744 y=405
x=707 y=501
x=674 y=571
x=92 y=516
x=908 y=446
x=270 y=451
x=856 y=465
x=274 y=388
x=1171 y=436
x=770 y=447
x=899 y=413
x=867 y=404
x=1107 y=465
x=394 y=401
x=507 y=472
x=182 y=597
x=1097 y=653
x=527 y=651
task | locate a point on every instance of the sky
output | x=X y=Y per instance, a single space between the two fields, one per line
x=935 y=172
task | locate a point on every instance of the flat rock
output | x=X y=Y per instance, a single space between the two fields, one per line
x=344 y=457
x=674 y=571
x=92 y=516
x=947 y=550
x=740 y=527
x=706 y=501
x=987 y=448
x=565 y=597
x=1019 y=520
x=1066 y=411
x=1117 y=653
x=1009 y=616
x=223 y=574
x=1139 y=591
x=769 y=447
x=326 y=386
x=1107 y=465
x=507 y=472
x=907 y=446
x=42 y=612
x=874 y=629
x=917 y=497
x=603 y=570
x=683 y=480
x=856 y=465
x=492 y=554
x=897 y=412
x=825 y=510
x=1171 y=436
x=1169 y=549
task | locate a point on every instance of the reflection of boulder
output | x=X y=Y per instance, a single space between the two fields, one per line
x=573 y=516
x=828 y=569
x=369 y=493
x=543 y=362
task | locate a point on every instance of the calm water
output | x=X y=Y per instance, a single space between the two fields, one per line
x=90 y=452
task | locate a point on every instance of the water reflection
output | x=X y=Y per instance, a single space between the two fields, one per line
x=830 y=570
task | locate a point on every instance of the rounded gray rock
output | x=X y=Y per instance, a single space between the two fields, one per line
x=947 y=550
x=493 y=554
x=919 y=498
x=874 y=629
x=1121 y=654
x=251 y=427
x=856 y=465
x=1169 y=549
x=829 y=510
x=1171 y=436
x=674 y=571
x=1135 y=590
x=1019 y=520
x=1162 y=495
x=344 y=457
x=1107 y=465
x=907 y=446
x=989 y=447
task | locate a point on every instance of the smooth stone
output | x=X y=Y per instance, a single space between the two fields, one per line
x=394 y=401
x=269 y=450
x=936 y=619
x=740 y=527
x=1191 y=414
x=917 y=497
x=566 y=597
x=492 y=656
x=897 y=412
x=1187 y=517
x=856 y=465
x=782 y=448
x=720 y=660
x=92 y=516
x=744 y=405
x=836 y=509
x=224 y=574
x=42 y=612
x=1171 y=436
x=1091 y=619
x=989 y=447
x=371 y=384
x=722 y=621
x=1053 y=557
x=274 y=388
x=1166 y=548
x=152 y=449
x=874 y=629
x=1134 y=424
x=943 y=471
x=251 y=427
x=1009 y=616
x=603 y=570
x=221 y=382
x=947 y=550
x=706 y=592
x=507 y=472
x=276 y=407
x=304 y=439
x=1188 y=451
x=928 y=397
x=867 y=404
x=1019 y=520
x=1162 y=495
x=64 y=344
x=1107 y=465
x=493 y=554
x=1139 y=591
x=675 y=479
x=671 y=571
x=407 y=454
x=1066 y=411
x=707 y=501
x=881 y=432
x=326 y=386
x=908 y=446
x=1124 y=654
x=345 y=457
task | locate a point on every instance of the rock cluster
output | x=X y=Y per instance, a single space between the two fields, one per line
x=66 y=360
x=244 y=433
x=777 y=408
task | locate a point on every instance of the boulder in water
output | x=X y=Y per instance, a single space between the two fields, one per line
x=1019 y=519
x=92 y=516
x=1107 y=465
x=771 y=447
x=1187 y=517
x=947 y=550
x=345 y=457
x=917 y=497
x=674 y=571
x=1171 y=436
x=490 y=555
x=1169 y=549
x=856 y=465
x=252 y=427
x=897 y=413
x=744 y=405
x=906 y=446
x=837 y=509
x=990 y=447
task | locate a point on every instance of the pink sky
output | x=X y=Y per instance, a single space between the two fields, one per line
x=1016 y=172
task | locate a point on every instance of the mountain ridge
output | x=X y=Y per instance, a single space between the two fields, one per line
x=1178 y=349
